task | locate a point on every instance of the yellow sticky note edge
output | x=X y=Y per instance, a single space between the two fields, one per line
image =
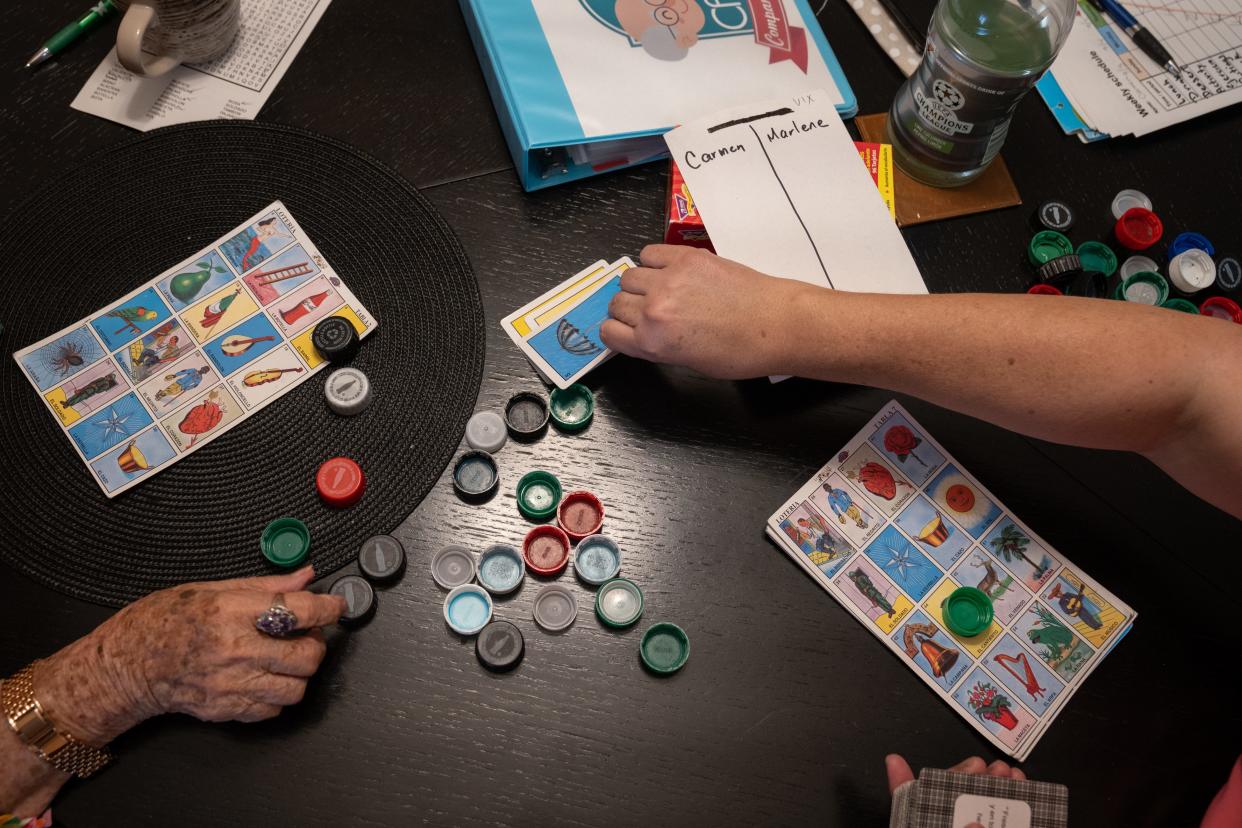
x=552 y=313
x=306 y=350
x=885 y=179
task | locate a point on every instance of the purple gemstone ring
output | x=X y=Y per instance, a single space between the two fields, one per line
x=278 y=621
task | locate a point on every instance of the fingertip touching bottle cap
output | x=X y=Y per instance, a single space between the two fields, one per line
x=1047 y=245
x=665 y=648
x=1229 y=273
x=340 y=482
x=1060 y=269
x=538 y=494
x=1138 y=229
x=1183 y=305
x=1185 y=241
x=1097 y=256
x=486 y=432
x=967 y=611
x=1126 y=200
x=500 y=646
x=526 y=415
x=285 y=542
x=1089 y=283
x=1137 y=264
x=598 y=559
x=381 y=558
x=619 y=602
x=359 y=598
x=467 y=609
x=347 y=392
x=1192 y=270
x=555 y=608
x=1055 y=215
x=452 y=566
x=546 y=550
x=336 y=339
x=1145 y=288
x=580 y=514
x=1044 y=290
x=572 y=408
x=1222 y=307
x=501 y=569
x=475 y=475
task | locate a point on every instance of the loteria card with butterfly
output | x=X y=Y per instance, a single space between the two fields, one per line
x=893 y=524
x=184 y=357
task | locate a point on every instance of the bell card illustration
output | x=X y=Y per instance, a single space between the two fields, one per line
x=920 y=527
x=154 y=376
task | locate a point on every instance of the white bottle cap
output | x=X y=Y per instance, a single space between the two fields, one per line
x=486 y=432
x=1129 y=199
x=1137 y=264
x=348 y=391
x=1192 y=270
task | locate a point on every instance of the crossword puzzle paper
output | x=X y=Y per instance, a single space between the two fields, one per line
x=893 y=524
x=168 y=368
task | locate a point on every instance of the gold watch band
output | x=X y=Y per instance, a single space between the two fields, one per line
x=25 y=715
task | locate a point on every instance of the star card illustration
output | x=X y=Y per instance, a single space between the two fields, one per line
x=962 y=501
x=192 y=281
x=60 y=357
x=873 y=594
x=256 y=243
x=933 y=534
x=130 y=461
x=131 y=318
x=87 y=392
x=905 y=565
x=109 y=426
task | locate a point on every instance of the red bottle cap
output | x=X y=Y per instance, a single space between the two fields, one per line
x=340 y=482
x=1044 y=290
x=1222 y=308
x=1138 y=228
x=546 y=550
x=580 y=514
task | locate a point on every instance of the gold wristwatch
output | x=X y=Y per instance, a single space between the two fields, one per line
x=25 y=715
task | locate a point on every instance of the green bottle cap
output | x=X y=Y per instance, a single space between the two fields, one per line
x=538 y=494
x=967 y=611
x=1047 y=245
x=665 y=648
x=285 y=542
x=1097 y=256
x=572 y=407
x=1183 y=305
x=1145 y=288
x=619 y=602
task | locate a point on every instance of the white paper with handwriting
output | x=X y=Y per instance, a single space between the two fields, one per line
x=780 y=189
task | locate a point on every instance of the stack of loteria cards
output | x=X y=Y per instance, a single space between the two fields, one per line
x=559 y=331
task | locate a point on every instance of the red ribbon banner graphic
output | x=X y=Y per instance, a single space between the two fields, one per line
x=772 y=29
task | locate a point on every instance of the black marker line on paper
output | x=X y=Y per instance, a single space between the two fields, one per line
x=822 y=266
x=783 y=111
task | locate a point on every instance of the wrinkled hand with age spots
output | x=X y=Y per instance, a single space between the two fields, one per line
x=686 y=306
x=190 y=649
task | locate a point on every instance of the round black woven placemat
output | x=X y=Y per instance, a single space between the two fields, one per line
x=133 y=211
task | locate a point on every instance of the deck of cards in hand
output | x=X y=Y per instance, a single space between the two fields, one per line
x=559 y=331
x=893 y=524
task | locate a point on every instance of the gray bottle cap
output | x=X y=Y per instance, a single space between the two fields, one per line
x=555 y=608
x=453 y=566
x=348 y=391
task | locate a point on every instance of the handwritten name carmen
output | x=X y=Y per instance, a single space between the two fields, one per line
x=695 y=160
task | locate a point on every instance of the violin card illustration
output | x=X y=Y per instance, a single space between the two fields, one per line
x=153 y=377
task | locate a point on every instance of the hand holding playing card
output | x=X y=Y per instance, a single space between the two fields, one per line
x=899 y=772
x=689 y=307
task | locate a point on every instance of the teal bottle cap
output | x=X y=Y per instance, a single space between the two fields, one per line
x=665 y=648
x=555 y=608
x=1047 y=245
x=501 y=569
x=1145 y=288
x=967 y=611
x=598 y=559
x=538 y=494
x=1097 y=256
x=467 y=609
x=285 y=542
x=572 y=407
x=1183 y=305
x=619 y=602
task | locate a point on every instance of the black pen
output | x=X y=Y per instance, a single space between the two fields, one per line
x=1142 y=38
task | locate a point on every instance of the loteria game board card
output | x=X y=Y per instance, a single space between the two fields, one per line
x=166 y=369
x=893 y=524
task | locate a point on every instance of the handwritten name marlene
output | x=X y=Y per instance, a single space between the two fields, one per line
x=695 y=160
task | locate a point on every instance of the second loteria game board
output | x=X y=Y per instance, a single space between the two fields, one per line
x=166 y=369
x=893 y=524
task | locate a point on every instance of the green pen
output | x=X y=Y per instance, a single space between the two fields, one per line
x=57 y=43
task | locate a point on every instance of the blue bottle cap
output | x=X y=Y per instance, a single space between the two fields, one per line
x=501 y=569
x=467 y=609
x=598 y=559
x=1185 y=241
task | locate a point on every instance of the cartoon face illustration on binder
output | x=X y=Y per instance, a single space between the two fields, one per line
x=665 y=28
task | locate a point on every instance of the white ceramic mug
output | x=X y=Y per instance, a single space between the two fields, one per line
x=175 y=32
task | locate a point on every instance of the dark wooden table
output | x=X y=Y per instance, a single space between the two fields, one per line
x=787 y=707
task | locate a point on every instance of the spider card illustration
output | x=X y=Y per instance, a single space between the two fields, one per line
x=61 y=357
